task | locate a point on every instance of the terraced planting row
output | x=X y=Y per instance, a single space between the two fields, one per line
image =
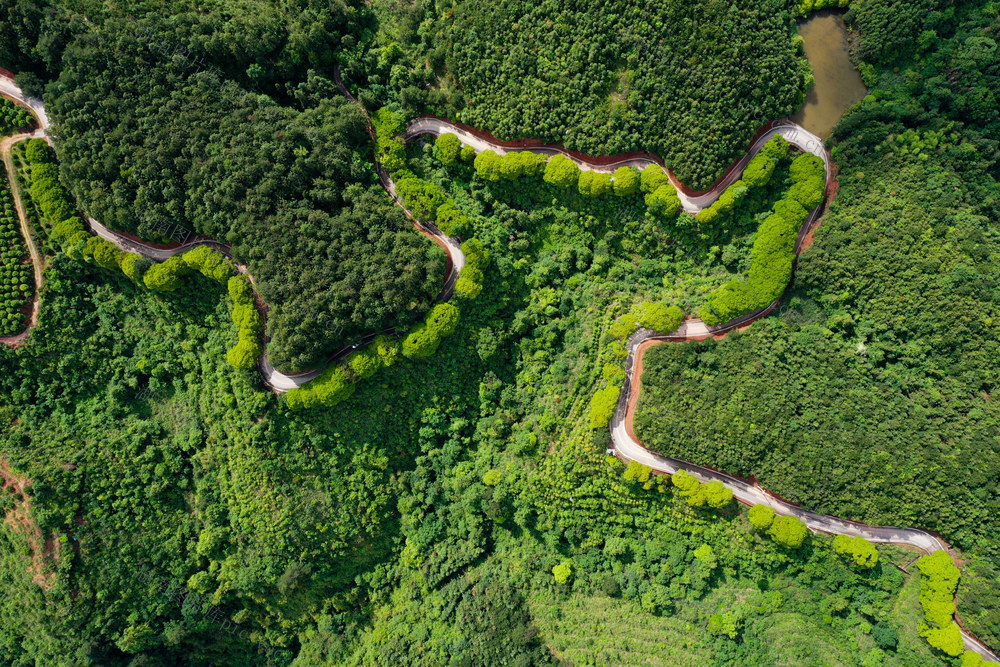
x=15 y=269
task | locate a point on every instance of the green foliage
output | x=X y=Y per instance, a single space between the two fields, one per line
x=637 y=472
x=717 y=494
x=862 y=552
x=13 y=117
x=651 y=178
x=390 y=148
x=425 y=337
x=476 y=255
x=626 y=181
x=468 y=154
x=103 y=253
x=602 y=406
x=594 y=183
x=938 y=582
x=624 y=326
x=168 y=275
x=330 y=388
x=211 y=263
x=804 y=7
x=776 y=148
x=659 y=316
x=365 y=363
x=451 y=220
x=16 y=280
x=947 y=639
x=761 y=517
x=423 y=199
x=772 y=257
x=135 y=266
x=563 y=572
x=447 y=147
x=690 y=488
x=663 y=201
x=38 y=151
x=788 y=531
x=469 y=283
x=758 y=171
x=725 y=204
x=488 y=165
x=561 y=172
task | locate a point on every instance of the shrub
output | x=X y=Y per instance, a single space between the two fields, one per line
x=689 y=487
x=807 y=166
x=475 y=254
x=809 y=193
x=422 y=198
x=788 y=531
x=663 y=201
x=468 y=154
x=487 y=165
x=659 y=317
x=103 y=253
x=724 y=204
x=38 y=151
x=602 y=406
x=469 y=283
x=425 y=337
x=135 y=266
x=761 y=517
x=365 y=363
x=563 y=571
x=858 y=549
x=517 y=164
x=758 y=171
x=624 y=326
x=717 y=494
x=626 y=181
x=211 y=263
x=239 y=290
x=561 y=172
x=329 y=389
x=244 y=354
x=447 y=147
x=390 y=149
x=938 y=582
x=638 y=472
x=776 y=148
x=451 y=220
x=652 y=178
x=947 y=639
x=387 y=349
x=166 y=276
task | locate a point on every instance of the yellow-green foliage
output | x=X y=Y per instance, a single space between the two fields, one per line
x=425 y=337
x=788 y=531
x=947 y=638
x=690 y=488
x=761 y=517
x=663 y=201
x=211 y=263
x=602 y=406
x=758 y=172
x=626 y=181
x=624 y=326
x=134 y=266
x=638 y=472
x=329 y=389
x=652 y=177
x=724 y=204
x=858 y=549
x=561 y=172
x=447 y=147
x=103 y=253
x=659 y=316
x=244 y=354
x=387 y=349
x=717 y=494
x=938 y=583
x=563 y=571
x=365 y=363
x=166 y=276
x=390 y=149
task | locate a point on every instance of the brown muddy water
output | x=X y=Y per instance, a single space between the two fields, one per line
x=838 y=85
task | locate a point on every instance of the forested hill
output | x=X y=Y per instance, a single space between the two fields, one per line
x=690 y=81
x=182 y=121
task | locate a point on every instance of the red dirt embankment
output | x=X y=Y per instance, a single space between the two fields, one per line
x=44 y=552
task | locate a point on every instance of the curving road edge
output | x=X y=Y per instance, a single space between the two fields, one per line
x=625 y=444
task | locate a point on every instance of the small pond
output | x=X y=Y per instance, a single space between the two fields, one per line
x=838 y=85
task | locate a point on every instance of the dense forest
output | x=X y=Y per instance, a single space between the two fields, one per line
x=871 y=396
x=200 y=100
x=161 y=507
x=600 y=78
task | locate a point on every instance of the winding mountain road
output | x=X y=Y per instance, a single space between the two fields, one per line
x=626 y=444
